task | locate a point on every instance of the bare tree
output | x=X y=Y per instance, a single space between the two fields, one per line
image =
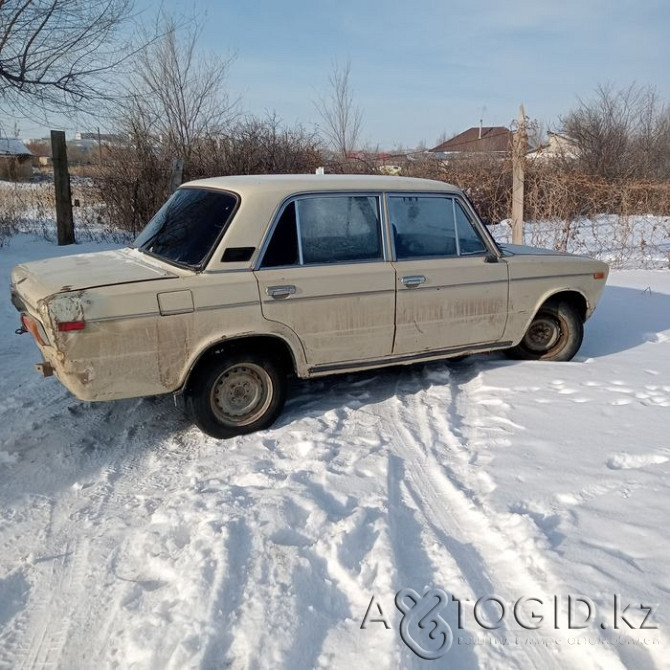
x=53 y=52
x=342 y=117
x=178 y=95
x=621 y=133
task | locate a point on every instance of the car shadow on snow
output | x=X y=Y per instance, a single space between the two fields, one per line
x=57 y=442
x=626 y=318
x=315 y=398
x=68 y=444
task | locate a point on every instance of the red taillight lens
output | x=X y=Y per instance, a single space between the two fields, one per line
x=599 y=275
x=67 y=326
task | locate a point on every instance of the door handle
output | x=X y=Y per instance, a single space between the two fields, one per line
x=280 y=291
x=412 y=281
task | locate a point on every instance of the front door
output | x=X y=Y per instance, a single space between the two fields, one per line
x=449 y=293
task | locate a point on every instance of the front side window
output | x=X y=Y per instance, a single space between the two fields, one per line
x=469 y=241
x=186 y=227
x=432 y=226
x=326 y=229
x=422 y=226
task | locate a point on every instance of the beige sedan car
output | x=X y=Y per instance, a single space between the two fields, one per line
x=238 y=282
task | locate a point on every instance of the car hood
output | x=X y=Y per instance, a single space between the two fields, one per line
x=39 y=279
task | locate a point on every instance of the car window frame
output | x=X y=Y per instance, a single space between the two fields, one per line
x=456 y=202
x=294 y=198
x=454 y=197
x=481 y=226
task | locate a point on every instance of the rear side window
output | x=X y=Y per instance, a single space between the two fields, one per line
x=186 y=227
x=326 y=229
x=339 y=229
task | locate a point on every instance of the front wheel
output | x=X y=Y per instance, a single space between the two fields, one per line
x=236 y=394
x=554 y=334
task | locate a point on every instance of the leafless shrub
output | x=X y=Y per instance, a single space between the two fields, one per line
x=621 y=134
x=134 y=182
x=257 y=146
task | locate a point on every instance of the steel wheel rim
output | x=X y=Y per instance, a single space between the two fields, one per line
x=241 y=394
x=543 y=334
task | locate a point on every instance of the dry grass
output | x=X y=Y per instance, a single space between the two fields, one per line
x=31 y=208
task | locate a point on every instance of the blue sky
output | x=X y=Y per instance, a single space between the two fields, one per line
x=420 y=68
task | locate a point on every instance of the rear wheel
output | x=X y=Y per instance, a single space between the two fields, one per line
x=236 y=393
x=554 y=334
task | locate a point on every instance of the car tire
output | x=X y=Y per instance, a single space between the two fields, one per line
x=554 y=334
x=234 y=394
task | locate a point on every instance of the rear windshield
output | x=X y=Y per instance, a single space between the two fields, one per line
x=186 y=227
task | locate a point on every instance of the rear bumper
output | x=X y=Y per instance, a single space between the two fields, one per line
x=71 y=374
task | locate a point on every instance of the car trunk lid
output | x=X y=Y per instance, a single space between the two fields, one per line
x=38 y=279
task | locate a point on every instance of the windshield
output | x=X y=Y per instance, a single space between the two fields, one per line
x=186 y=227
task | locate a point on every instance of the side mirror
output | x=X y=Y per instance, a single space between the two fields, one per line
x=490 y=258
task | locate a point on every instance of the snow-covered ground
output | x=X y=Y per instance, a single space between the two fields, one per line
x=625 y=242
x=130 y=540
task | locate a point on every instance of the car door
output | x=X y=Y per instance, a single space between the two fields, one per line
x=451 y=291
x=324 y=275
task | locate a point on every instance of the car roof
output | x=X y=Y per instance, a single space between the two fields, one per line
x=287 y=184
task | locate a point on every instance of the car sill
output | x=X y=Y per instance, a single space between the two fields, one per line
x=406 y=358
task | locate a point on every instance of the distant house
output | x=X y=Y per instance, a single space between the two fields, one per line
x=81 y=151
x=492 y=140
x=102 y=138
x=557 y=146
x=15 y=160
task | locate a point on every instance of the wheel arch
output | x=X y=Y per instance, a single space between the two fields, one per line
x=274 y=345
x=572 y=296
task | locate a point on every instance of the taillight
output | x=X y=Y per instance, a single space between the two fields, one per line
x=67 y=326
x=599 y=275
x=33 y=328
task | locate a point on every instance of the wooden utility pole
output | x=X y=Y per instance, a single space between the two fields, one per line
x=176 y=174
x=99 y=146
x=64 y=220
x=519 y=145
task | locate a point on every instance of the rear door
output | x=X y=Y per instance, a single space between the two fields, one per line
x=324 y=275
x=449 y=294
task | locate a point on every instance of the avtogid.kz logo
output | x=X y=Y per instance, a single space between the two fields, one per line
x=424 y=628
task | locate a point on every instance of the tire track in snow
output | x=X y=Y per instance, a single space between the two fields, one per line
x=490 y=550
x=46 y=629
